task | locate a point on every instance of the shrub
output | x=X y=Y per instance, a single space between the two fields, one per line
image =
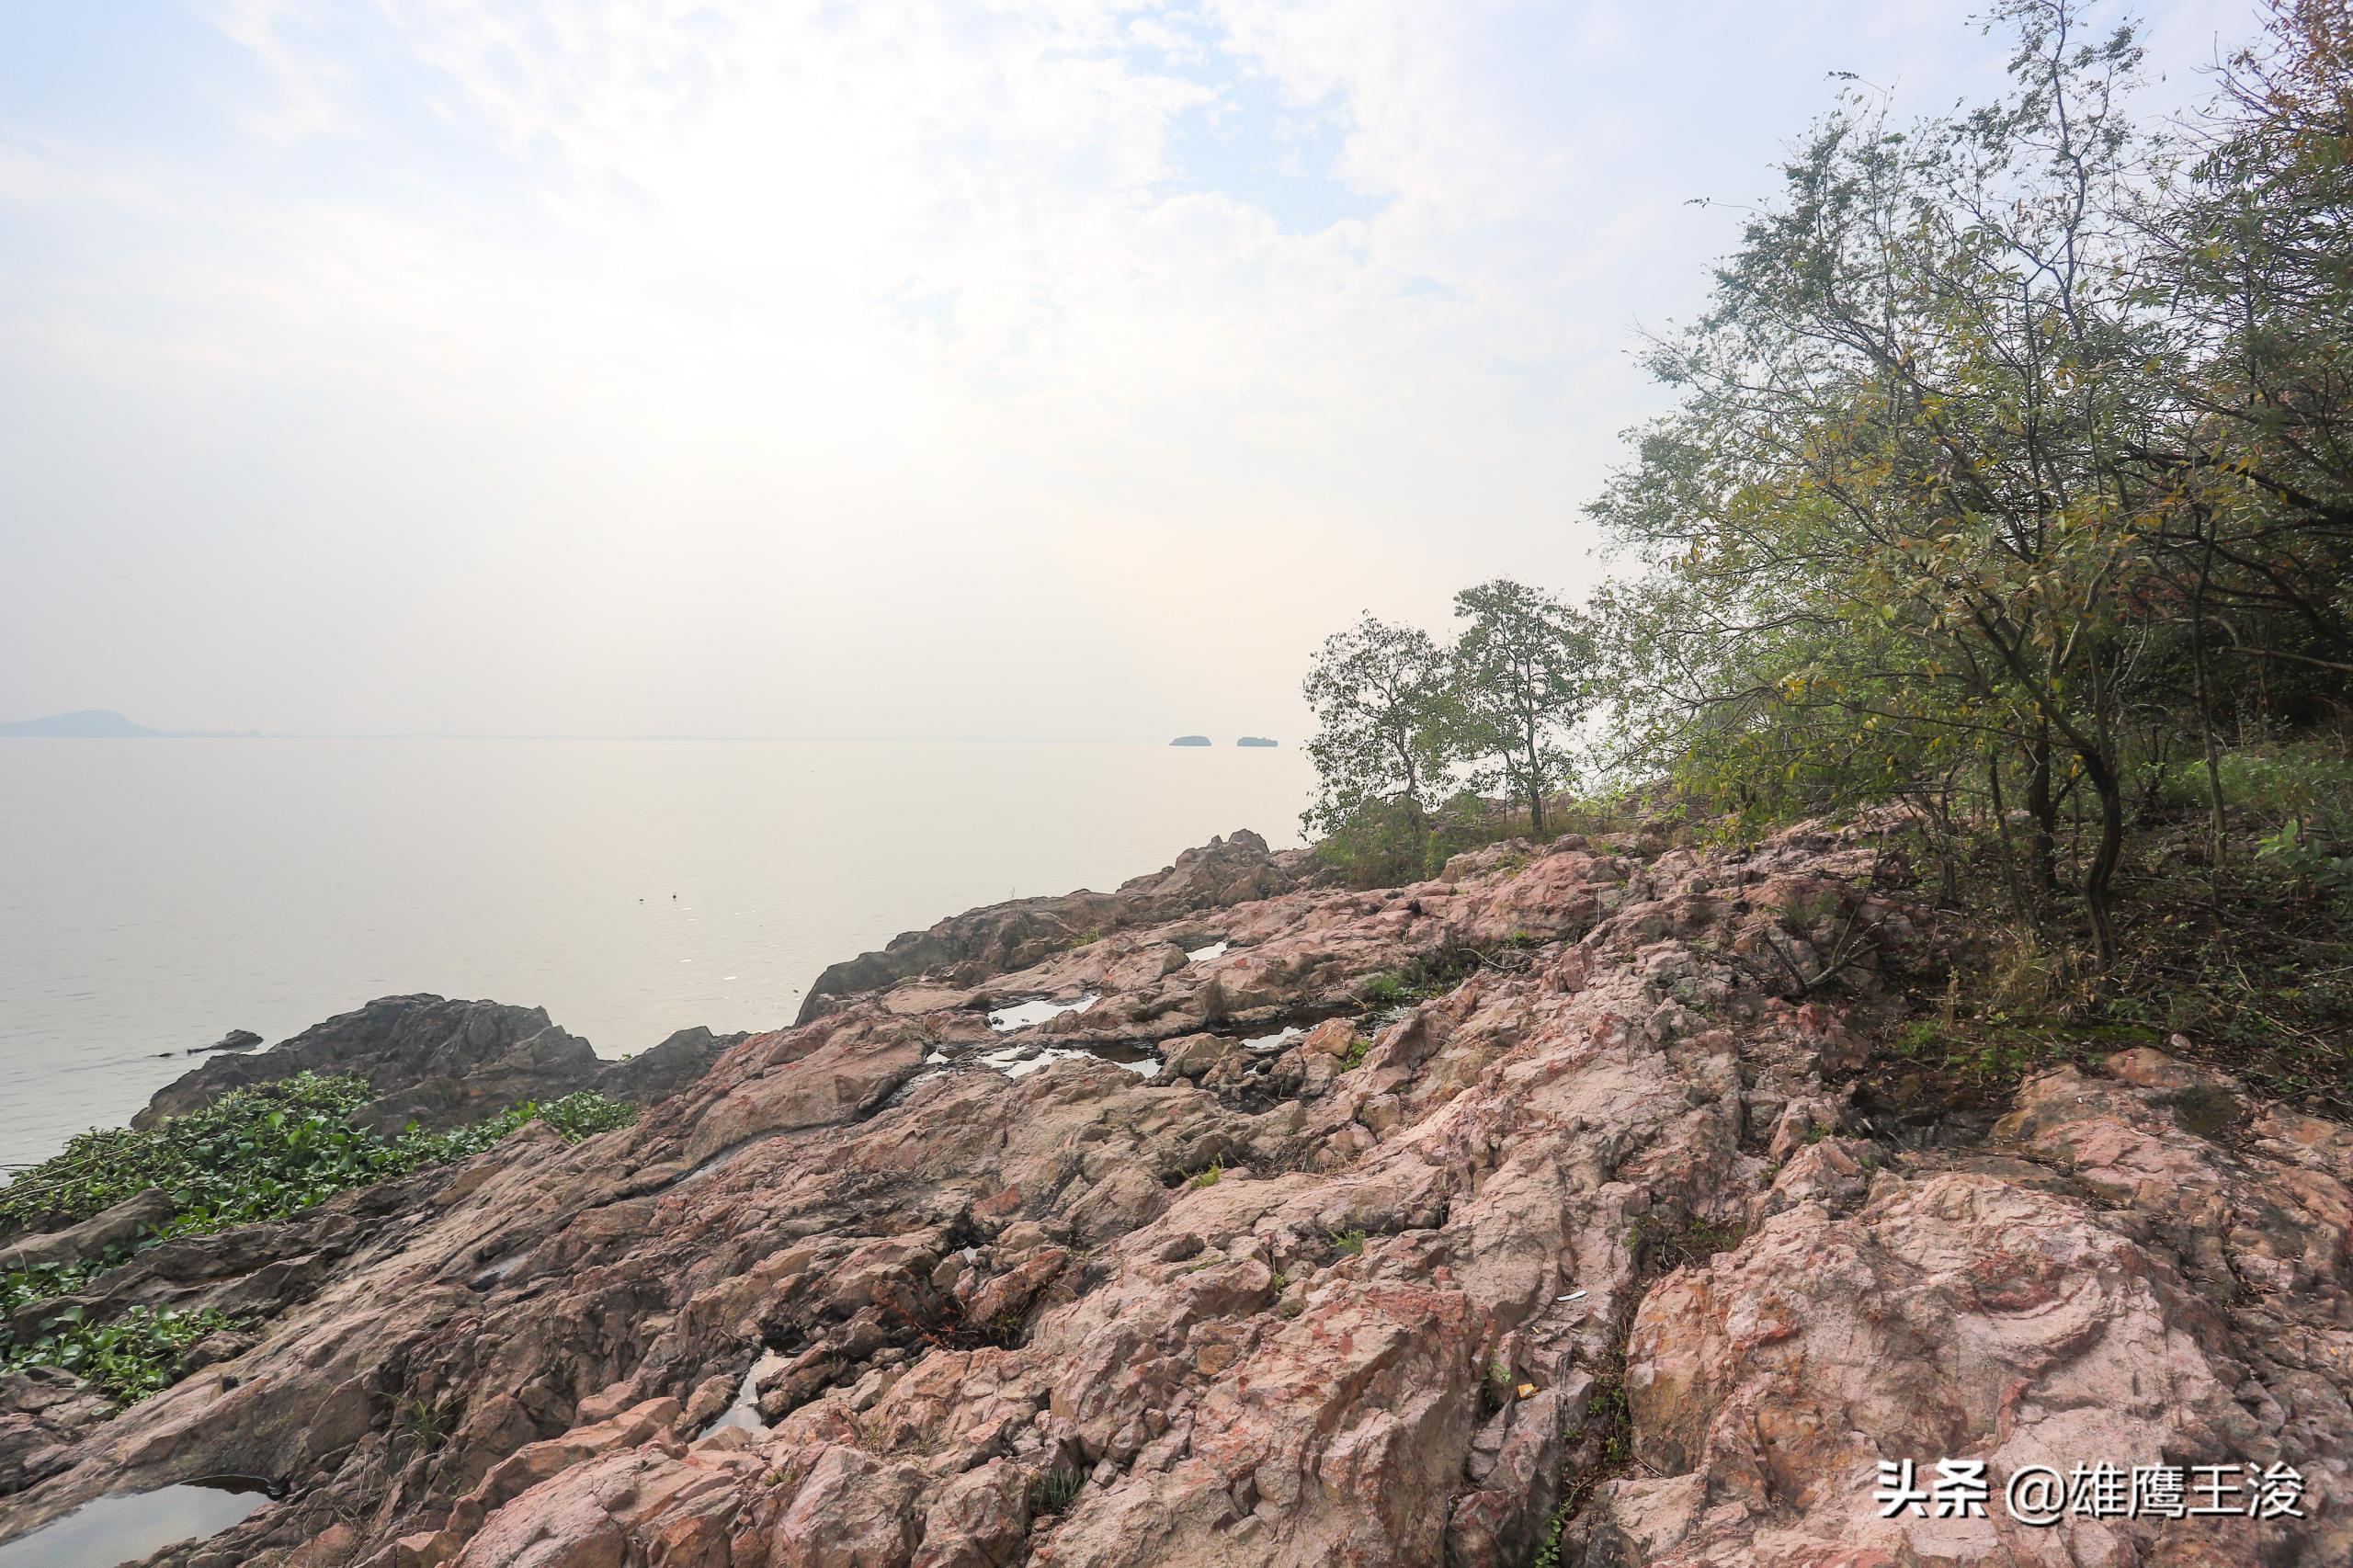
x=2307 y=858
x=1379 y=845
x=1054 y=1491
x=585 y=1114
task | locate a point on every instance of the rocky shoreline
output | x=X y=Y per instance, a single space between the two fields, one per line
x=1549 y=1210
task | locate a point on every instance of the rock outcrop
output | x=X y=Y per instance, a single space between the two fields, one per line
x=969 y=946
x=439 y=1064
x=1582 y=1244
x=101 y=1232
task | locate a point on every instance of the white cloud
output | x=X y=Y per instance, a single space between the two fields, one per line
x=903 y=315
x=309 y=86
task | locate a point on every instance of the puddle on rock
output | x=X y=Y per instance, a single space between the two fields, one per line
x=1020 y=1060
x=1143 y=1061
x=492 y=1273
x=109 y=1531
x=1203 y=954
x=1020 y=1015
x=745 y=1411
x=1275 y=1040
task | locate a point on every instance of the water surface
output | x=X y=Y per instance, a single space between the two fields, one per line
x=131 y=1526
x=155 y=894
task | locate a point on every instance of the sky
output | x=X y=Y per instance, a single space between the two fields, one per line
x=885 y=368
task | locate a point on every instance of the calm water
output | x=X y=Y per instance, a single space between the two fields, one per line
x=155 y=894
x=109 y=1531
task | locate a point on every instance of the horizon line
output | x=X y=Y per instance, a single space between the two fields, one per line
x=755 y=739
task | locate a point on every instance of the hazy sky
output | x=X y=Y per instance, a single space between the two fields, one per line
x=867 y=368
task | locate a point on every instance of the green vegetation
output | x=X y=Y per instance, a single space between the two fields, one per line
x=1496 y=1388
x=262 y=1153
x=128 y=1358
x=43 y=1282
x=1403 y=722
x=423 y=1425
x=1423 y=980
x=1053 y=1491
x=1209 y=1177
x=2010 y=478
x=2014 y=465
x=580 y=1115
x=256 y=1155
x=1349 y=1243
x=1519 y=682
x=1378 y=843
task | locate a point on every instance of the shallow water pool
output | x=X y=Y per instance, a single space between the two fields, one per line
x=128 y=1526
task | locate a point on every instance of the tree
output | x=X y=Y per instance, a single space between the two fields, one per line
x=2258 y=548
x=1519 y=672
x=1382 y=705
x=1889 y=524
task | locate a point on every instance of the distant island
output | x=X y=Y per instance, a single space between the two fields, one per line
x=90 y=723
x=1190 y=740
x=1255 y=741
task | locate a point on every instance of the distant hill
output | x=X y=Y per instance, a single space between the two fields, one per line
x=1190 y=740
x=1255 y=741
x=90 y=723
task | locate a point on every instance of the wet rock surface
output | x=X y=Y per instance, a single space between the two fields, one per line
x=1585 y=1235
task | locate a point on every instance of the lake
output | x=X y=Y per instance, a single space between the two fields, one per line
x=156 y=894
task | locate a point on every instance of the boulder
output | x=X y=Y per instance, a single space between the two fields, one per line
x=658 y=1073
x=442 y=1063
x=102 y=1232
x=439 y=1061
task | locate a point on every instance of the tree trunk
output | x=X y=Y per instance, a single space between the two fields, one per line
x=2101 y=872
x=2011 y=877
x=2044 y=808
x=2205 y=702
